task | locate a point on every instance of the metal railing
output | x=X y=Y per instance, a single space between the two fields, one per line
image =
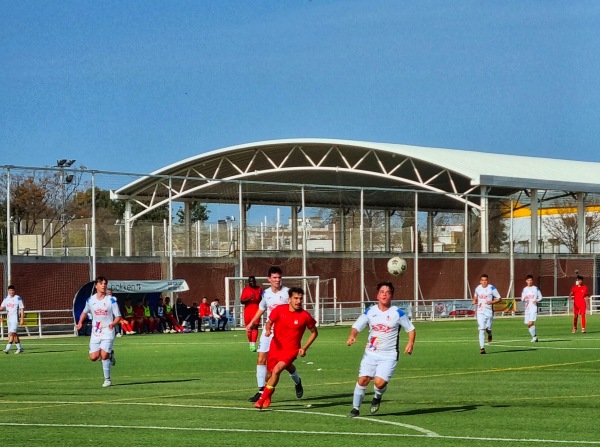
x=43 y=323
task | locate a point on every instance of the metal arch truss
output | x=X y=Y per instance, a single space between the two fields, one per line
x=191 y=180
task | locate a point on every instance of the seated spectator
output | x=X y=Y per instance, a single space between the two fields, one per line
x=205 y=314
x=163 y=323
x=127 y=318
x=193 y=316
x=173 y=323
x=181 y=311
x=219 y=316
x=139 y=318
x=150 y=320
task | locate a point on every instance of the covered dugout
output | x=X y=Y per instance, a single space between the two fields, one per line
x=134 y=290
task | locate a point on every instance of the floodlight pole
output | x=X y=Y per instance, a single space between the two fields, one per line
x=62 y=164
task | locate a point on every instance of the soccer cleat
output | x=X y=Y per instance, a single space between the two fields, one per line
x=574 y=330
x=489 y=334
x=534 y=339
x=6 y=351
x=18 y=351
x=583 y=331
x=119 y=334
x=265 y=399
x=482 y=351
x=252 y=348
x=299 y=390
x=255 y=397
x=375 y=403
x=106 y=383
x=113 y=360
x=353 y=413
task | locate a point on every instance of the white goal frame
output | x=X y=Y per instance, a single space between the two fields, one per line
x=244 y=279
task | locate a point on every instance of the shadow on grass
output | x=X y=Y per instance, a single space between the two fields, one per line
x=504 y=351
x=149 y=382
x=433 y=410
x=344 y=399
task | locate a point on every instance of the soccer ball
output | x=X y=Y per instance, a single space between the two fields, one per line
x=397 y=266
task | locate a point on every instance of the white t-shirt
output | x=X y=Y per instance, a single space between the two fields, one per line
x=270 y=300
x=103 y=313
x=13 y=306
x=531 y=296
x=384 y=327
x=484 y=294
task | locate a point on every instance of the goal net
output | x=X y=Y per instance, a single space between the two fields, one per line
x=235 y=284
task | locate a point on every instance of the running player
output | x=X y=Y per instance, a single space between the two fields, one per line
x=292 y=320
x=579 y=294
x=486 y=295
x=381 y=353
x=15 y=316
x=531 y=295
x=250 y=298
x=274 y=296
x=105 y=315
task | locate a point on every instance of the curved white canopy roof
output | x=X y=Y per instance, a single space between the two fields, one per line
x=274 y=170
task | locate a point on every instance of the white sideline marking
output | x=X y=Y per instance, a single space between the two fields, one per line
x=425 y=432
x=299 y=432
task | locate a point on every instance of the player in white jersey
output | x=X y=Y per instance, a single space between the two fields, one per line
x=381 y=353
x=274 y=296
x=105 y=316
x=486 y=295
x=15 y=315
x=531 y=295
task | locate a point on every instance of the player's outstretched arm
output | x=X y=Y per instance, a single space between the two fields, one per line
x=268 y=328
x=82 y=318
x=314 y=333
x=254 y=320
x=412 y=335
x=352 y=337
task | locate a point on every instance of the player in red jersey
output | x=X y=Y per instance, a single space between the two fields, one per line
x=250 y=298
x=579 y=295
x=291 y=322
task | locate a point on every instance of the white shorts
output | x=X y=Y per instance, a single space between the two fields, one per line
x=375 y=365
x=484 y=321
x=530 y=316
x=264 y=343
x=12 y=326
x=104 y=344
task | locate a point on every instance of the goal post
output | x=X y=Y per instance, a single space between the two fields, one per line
x=235 y=284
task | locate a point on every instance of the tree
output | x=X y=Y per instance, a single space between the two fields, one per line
x=497 y=230
x=42 y=196
x=198 y=213
x=563 y=227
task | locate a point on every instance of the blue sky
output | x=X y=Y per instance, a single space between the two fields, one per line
x=136 y=85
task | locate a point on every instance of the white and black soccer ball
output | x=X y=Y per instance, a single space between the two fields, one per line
x=397 y=266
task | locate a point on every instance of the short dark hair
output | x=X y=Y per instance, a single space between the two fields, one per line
x=297 y=290
x=11 y=287
x=484 y=276
x=529 y=277
x=274 y=269
x=385 y=284
x=100 y=279
x=580 y=277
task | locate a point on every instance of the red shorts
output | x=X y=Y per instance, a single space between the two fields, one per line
x=249 y=312
x=274 y=357
x=579 y=307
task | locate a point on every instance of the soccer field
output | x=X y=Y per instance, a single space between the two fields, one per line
x=192 y=389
